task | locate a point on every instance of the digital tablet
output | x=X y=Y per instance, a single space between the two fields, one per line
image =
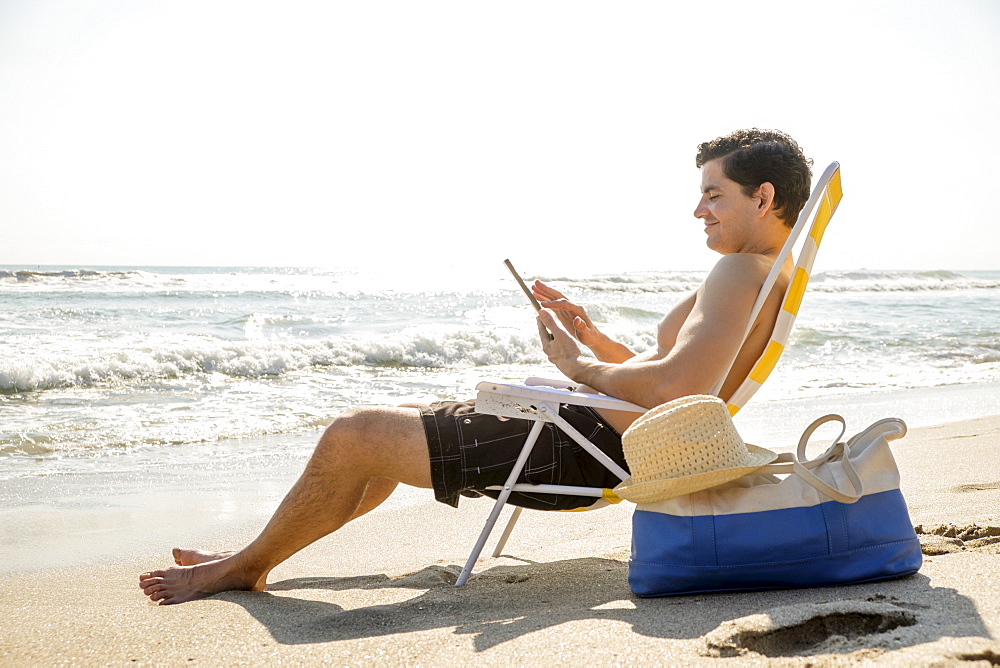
x=531 y=297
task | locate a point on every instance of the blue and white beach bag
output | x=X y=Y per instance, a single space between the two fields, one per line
x=836 y=519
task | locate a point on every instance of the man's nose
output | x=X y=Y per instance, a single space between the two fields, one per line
x=701 y=210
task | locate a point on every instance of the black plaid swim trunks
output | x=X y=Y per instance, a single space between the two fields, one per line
x=470 y=451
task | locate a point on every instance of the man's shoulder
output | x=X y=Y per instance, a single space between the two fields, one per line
x=735 y=279
x=740 y=267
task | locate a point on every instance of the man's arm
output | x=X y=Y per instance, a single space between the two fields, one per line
x=706 y=343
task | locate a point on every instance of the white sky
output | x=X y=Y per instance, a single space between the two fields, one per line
x=452 y=134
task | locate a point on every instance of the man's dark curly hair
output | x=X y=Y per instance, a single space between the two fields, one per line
x=752 y=157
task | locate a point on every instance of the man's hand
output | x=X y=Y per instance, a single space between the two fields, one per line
x=557 y=344
x=572 y=316
x=576 y=321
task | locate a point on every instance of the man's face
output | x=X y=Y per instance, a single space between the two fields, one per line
x=728 y=214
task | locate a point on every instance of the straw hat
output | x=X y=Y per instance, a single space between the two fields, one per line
x=685 y=446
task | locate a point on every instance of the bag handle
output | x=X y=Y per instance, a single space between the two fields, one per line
x=788 y=463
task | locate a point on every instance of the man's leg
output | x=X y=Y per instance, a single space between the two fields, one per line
x=355 y=467
x=378 y=490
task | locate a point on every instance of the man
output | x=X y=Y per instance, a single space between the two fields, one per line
x=754 y=183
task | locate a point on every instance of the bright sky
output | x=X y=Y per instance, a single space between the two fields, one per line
x=560 y=134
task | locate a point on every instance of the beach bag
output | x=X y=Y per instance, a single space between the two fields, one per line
x=836 y=519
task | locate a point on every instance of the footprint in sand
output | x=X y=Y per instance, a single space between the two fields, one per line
x=812 y=628
x=993 y=657
x=428 y=578
x=948 y=538
x=976 y=487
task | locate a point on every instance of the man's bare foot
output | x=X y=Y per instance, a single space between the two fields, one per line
x=194 y=557
x=188 y=583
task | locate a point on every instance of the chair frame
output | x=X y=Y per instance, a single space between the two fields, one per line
x=539 y=399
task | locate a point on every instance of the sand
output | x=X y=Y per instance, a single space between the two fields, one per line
x=379 y=592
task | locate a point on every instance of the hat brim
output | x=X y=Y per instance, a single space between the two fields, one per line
x=661 y=489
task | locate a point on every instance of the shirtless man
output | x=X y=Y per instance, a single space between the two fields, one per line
x=754 y=183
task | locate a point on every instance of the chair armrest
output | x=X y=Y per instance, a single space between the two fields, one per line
x=562 y=384
x=525 y=395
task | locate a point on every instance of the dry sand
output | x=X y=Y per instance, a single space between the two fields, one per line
x=380 y=592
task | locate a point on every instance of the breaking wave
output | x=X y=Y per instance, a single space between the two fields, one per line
x=256 y=359
x=311 y=280
x=826 y=281
x=899 y=281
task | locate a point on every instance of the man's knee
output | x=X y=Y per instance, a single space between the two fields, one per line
x=378 y=440
x=349 y=430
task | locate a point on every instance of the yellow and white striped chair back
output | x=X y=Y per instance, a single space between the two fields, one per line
x=816 y=214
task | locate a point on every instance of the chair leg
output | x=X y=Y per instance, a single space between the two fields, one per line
x=522 y=458
x=506 y=532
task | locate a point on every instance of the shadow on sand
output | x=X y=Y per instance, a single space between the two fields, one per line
x=505 y=602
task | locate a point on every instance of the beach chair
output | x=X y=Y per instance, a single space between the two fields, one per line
x=539 y=399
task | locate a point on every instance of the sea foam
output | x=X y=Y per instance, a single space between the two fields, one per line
x=263 y=357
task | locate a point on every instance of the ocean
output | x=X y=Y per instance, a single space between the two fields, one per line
x=104 y=369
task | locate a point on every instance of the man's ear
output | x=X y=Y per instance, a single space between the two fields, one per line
x=765 y=197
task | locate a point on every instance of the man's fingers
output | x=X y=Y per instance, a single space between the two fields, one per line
x=546 y=292
x=543 y=331
x=567 y=312
x=541 y=326
x=563 y=305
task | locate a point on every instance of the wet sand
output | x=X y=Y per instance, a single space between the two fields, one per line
x=380 y=591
